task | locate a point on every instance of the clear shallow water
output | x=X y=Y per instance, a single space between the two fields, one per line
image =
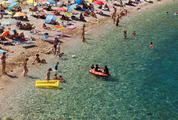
x=143 y=85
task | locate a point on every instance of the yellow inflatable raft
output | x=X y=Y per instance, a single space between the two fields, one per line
x=47 y=84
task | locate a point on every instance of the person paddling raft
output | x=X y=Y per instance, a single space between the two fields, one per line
x=99 y=70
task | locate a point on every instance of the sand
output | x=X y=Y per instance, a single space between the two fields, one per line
x=13 y=83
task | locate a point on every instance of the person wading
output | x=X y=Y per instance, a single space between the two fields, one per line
x=117 y=20
x=83 y=33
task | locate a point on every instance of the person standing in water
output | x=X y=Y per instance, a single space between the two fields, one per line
x=48 y=74
x=125 y=34
x=117 y=20
x=56 y=66
x=134 y=33
x=3 y=59
x=114 y=14
x=83 y=33
x=25 y=68
x=151 y=45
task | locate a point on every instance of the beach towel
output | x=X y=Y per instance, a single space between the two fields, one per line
x=4 y=34
x=12 y=5
x=58 y=27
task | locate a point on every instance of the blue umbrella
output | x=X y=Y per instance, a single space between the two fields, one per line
x=10 y=7
x=52 y=1
x=71 y=7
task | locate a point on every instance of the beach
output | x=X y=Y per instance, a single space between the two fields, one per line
x=14 y=91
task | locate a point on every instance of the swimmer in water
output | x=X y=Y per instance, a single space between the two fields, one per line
x=151 y=45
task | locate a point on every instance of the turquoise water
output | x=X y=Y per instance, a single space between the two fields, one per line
x=144 y=81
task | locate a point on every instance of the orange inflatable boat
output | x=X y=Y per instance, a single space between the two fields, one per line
x=99 y=73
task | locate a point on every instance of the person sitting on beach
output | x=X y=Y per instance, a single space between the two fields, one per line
x=45 y=27
x=82 y=18
x=106 y=7
x=93 y=14
x=38 y=60
x=106 y=70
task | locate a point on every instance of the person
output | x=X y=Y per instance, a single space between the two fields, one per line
x=117 y=20
x=97 y=68
x=55 y=43
x=55 y=77
x=92 y=66
x=60 y=78
x=3 y=59
x=45 y=27
x=106 y=70
x=82 y=18
x=114 y=14
x=134 y=33
x=56 y=66
x=58 y=48
x=25 y=67
x=1 y=28
x=38 y=60
x=125 y=34
x=106 y=7
x=83 y=33
x=151 y=45
x=48 y=74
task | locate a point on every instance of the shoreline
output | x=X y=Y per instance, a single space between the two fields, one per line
x=7 y=89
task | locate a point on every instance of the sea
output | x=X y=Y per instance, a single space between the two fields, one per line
x=143 y=84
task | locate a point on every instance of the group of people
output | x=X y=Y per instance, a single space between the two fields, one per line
x=116 y=17
x=26 y=70
x=98 y=69
x=56 y=76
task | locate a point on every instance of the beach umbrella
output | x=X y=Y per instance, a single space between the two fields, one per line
x=79 y=2
x=62 y=9
x=49 y=18
x=99 y=2
x=19 y=14
x=71 y=7
x=52 y=1
x=12 y=5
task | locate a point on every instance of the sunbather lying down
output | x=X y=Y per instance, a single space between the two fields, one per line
x=38 y=60
x=4 y=48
